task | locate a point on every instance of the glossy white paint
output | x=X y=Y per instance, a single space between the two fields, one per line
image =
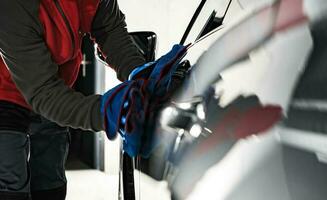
x=271 y=72
x=305 y=140
x=238 y=165
x=268 y=73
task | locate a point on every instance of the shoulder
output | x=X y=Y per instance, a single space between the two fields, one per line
x=20 y=15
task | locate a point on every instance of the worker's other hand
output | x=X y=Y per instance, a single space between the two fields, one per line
x=118 y=104
x=159 y=85
x=130 y=108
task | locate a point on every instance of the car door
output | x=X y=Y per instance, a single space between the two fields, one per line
x=271 y=73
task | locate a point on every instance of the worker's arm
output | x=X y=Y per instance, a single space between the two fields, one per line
x=36 y=75
x=110 y=33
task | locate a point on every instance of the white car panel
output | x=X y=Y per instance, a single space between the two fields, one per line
x=272 y=71
x=306 y=140
x=233 y=44
x=247 y=160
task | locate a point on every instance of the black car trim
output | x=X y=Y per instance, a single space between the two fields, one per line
x=214 y=22
x=190 y=25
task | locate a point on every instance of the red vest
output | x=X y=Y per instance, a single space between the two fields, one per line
x=64 y=22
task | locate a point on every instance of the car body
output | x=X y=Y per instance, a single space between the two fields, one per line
x=266 y=53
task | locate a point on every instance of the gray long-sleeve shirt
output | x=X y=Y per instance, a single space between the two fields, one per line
x=36 y=74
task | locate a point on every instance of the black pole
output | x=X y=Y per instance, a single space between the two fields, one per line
x=128 y=177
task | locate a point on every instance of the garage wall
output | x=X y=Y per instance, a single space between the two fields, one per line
x=167 y=18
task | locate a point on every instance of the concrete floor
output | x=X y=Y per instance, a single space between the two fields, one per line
x=96 y=185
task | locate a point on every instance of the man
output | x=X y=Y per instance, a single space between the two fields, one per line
x=40 y=46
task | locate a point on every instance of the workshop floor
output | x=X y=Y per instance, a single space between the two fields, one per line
x=96 y=185
x=91 y=185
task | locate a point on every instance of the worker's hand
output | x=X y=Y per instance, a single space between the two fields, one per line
x=131 y=107
x=159 y=74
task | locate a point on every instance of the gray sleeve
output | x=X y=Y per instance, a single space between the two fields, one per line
x=36 y=75
x=110 y=33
